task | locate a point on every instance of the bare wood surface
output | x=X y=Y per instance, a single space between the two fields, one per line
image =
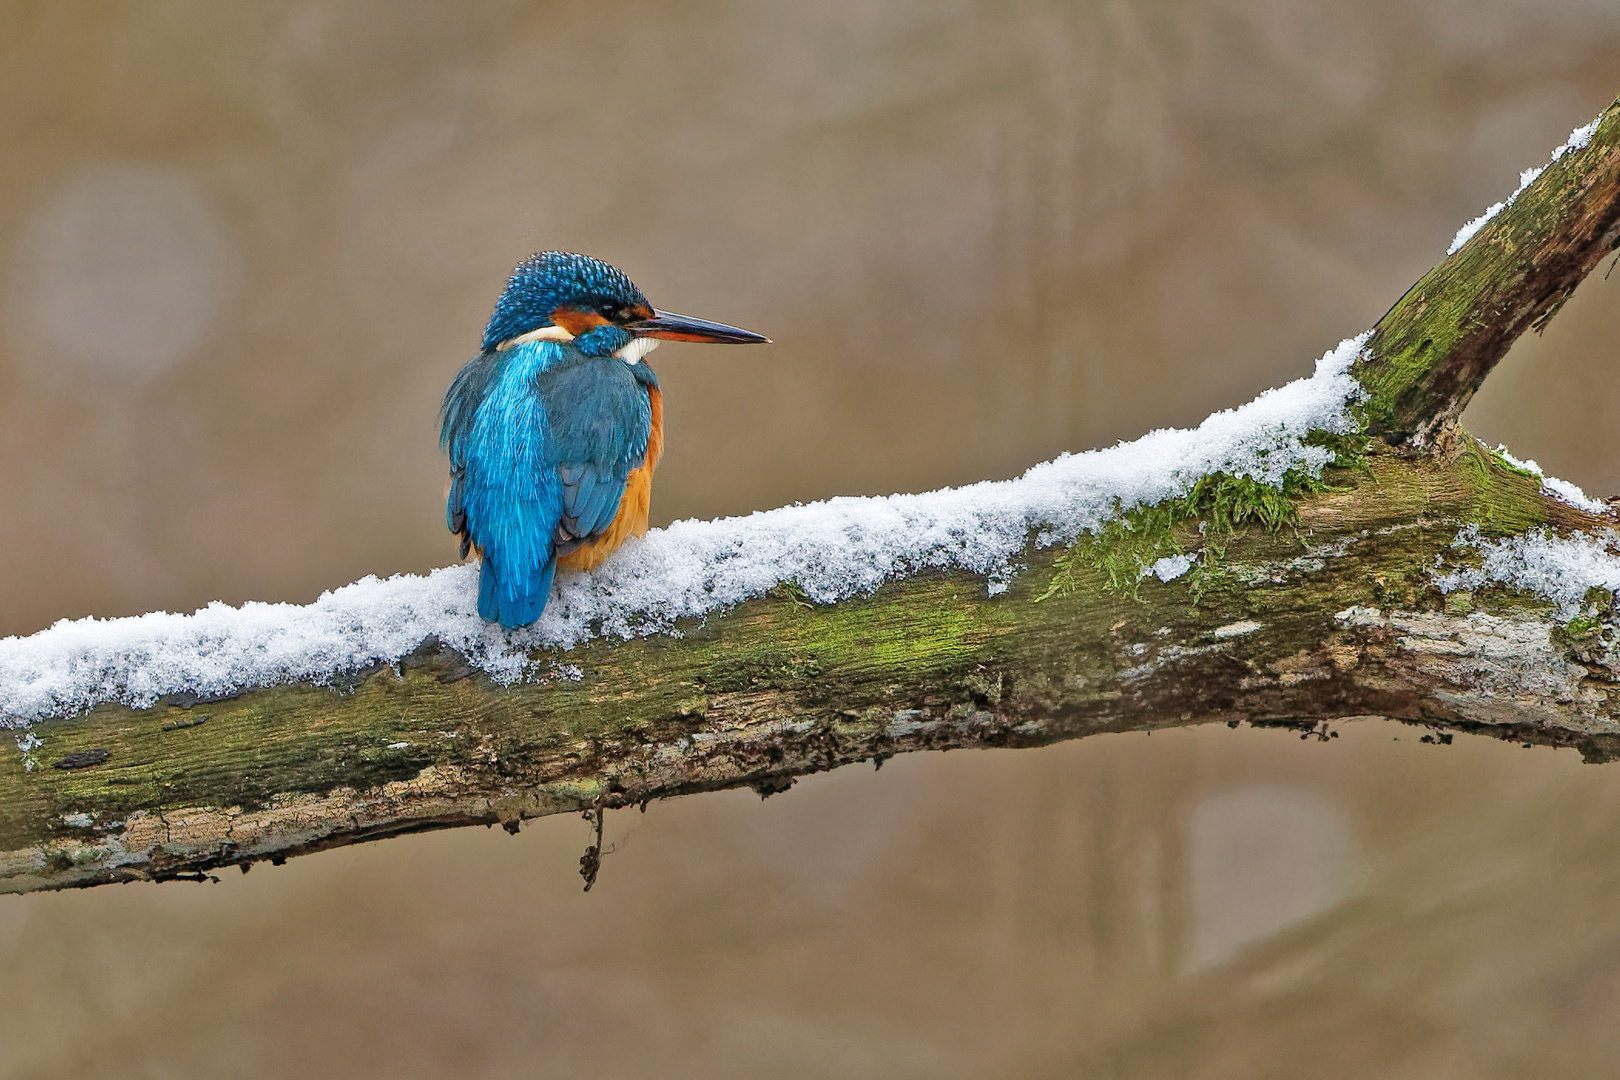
x=1339 y=618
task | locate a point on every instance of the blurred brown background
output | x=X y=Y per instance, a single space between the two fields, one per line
x=244 y=246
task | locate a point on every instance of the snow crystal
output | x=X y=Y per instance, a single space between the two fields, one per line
x=1562 y=490
x=1466 y=233
x=1558 y=568
x=1566 y=492
x=1578 y=140
x=1171 y=567
x=829 y=550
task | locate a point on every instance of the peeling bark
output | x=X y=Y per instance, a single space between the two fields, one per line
x=1339 y=618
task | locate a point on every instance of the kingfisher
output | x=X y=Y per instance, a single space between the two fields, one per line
x=554 y=428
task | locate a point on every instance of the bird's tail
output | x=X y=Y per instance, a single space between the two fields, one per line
x=516 y=602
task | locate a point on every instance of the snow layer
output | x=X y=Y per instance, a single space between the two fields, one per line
x=1558 y=568
x=828 y=550
x=1562 y=490
x=1578 y=140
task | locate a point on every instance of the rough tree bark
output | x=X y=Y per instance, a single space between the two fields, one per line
x=1337 y=618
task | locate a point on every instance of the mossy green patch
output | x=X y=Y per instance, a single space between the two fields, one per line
x=1591 y=629
x=1402 y=363
x=1209 y=574
x=1122 y=549
x=1408 y=353
x=1222 y=504
x=1506 y=497
x=1503 y=462
x=1583 y=626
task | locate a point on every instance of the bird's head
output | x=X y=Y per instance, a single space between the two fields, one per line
x=561 y=296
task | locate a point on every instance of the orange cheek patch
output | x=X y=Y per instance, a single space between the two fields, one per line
x=577 y=322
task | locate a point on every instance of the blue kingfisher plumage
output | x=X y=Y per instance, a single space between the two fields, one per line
x=554 y=429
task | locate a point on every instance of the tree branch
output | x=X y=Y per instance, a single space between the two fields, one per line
x=1338 y=618
x=1433 y=349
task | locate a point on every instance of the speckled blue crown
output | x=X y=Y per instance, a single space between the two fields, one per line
x=546 y=281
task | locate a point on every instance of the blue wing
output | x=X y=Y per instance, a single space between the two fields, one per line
x=601 y=419
x=461 y=402
x=505 y=498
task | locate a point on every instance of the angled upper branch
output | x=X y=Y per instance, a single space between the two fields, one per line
x=1433 y=349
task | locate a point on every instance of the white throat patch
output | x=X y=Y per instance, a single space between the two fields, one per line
x=638 y=347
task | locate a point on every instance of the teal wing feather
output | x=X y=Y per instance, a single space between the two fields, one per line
x=601 y=420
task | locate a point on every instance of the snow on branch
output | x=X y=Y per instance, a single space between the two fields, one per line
x=1578 y=140
x=1563 y=569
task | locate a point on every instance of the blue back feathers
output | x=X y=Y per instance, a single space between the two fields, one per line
x=542 y=436
x=504 y=491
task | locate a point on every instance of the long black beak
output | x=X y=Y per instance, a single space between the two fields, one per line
x=672 y=327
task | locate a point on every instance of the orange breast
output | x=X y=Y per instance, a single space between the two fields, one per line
x=631 y=520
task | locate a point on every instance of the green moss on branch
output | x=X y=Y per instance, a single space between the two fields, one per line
x=1217 y=508
x=1432 y=350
